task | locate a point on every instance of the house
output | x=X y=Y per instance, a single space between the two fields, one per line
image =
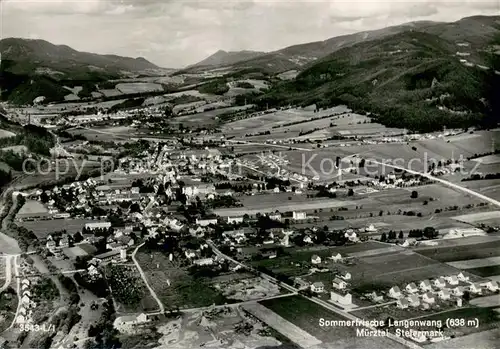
x=189 y=254
x=20 y=319
x=318 y=287
x=204 y=261
x=50 y=245
x=126 y=324
x=452 y=280
x=97 y=225
x=462 y=277
x=206 y=222
x=25 y=282
x=25 y=300
x=346 y=276
x=315 y=259
x=275 y=217
x=444 y=294
x=301 y=283
x=425 y=285
x=342 y=299
x=475 y=288
x=234 y=220
x=491 y=286
x=298 y=215
x=337 y=257
x=351 y=236
x=413 y=300
x=108 y=256
x=339 y=284
x=440 y=282
x=395 y=292
x=458 y=291
x=428 y=298
x=412 y=288
x=375 y=297
x=402 y=303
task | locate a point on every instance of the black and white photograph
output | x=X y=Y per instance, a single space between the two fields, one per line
x=249 y=174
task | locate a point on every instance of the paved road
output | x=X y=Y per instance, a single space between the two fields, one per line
x=153 y=293
x=442 y=181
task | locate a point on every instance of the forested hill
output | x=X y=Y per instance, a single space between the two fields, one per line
x=411 y=80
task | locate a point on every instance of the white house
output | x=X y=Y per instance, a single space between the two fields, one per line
x=206 y=222
x=375 y=297
x=440 y=282
x=339 y=284
x=97 y=225
x=318 y=287
x=20 y=319
x=425 y=285
x=444 y=294
x=315 y=259
x=475 y=288
x=458 y=291
x=337 y=257
x=452 y=280
x=342 y=299
x=126 y=323
x=412 y=288
x=428 y=298
x=232 y=220
x=402 y=303
x=204 y=261
x=298 y=215
x=25 y=300
x=462 y=277
x=275 y=217
x=490 y=285
x=395 y=292
x=346 y=276
x=413 y=300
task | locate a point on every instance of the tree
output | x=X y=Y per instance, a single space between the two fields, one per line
x=350 y=192
x=414 y=194
x=401 y=235
x=383 y=238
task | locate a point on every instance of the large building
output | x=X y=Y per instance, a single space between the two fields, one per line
x=97 y=225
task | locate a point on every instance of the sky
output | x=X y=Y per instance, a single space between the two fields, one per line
x=177 y=33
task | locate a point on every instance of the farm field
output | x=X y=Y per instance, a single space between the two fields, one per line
x=32 y=207
x=272 y=206
x=283 y=326
x=483 y=340
x=482 y=217
x=43 y=228
x=464 y=252
x=6 y=134
x=306 y=315
x=173 y=284
x=138 y=87
x=487 y=316
x=18 y=149
x=476 y=263
x=488 y=159
x=486 y=272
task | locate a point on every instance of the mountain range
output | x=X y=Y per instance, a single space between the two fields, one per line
x=478 y=31
x=61 y=61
